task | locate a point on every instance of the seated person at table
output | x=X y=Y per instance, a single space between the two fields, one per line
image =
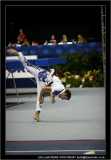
x=64 y=39
x=19 y=40
x=81 y=39
x=53 y=39
x=46 y=81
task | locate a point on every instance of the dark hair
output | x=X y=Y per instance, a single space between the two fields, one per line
x=68 y=94
x=64 y=84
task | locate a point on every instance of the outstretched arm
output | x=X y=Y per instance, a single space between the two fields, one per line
x=43 y=90
x=13 y=51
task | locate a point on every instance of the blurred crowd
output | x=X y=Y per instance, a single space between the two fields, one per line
x=23 y=41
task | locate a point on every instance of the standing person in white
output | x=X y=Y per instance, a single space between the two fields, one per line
x=46 y=81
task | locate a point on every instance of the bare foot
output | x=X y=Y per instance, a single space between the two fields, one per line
x=13 y=51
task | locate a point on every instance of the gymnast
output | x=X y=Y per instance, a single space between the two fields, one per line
x=46 y=81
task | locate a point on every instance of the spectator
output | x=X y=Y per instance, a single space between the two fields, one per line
x=81 y=39
x=64 y=38
x=22 y=35
x=53 y=39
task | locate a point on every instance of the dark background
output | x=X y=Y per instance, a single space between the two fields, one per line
x=39 y=22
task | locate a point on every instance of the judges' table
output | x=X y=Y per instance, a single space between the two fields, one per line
x=54 y=50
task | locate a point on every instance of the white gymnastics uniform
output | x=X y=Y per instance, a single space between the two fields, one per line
x=42 y=79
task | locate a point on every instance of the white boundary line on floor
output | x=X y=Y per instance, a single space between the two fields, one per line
x=58 y=151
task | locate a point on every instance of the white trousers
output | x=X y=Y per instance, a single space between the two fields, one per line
x=35 y=72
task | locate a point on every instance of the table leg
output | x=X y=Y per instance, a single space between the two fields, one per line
x=15 y=88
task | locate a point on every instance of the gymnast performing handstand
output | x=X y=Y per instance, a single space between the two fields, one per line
x=46 y=81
